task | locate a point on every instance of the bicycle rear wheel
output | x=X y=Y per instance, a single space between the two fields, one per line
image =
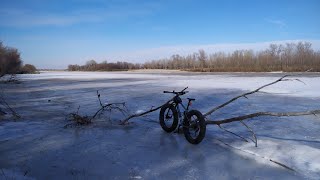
x=194 y=127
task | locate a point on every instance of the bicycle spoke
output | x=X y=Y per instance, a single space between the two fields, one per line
x=193 y=126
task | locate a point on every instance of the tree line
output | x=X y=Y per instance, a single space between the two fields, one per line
x=11 y=63
x=92 y=65
x=284 y=57
x=287 y=57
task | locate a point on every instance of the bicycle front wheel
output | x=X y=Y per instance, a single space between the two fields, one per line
x=168 y=118
x=194 y=127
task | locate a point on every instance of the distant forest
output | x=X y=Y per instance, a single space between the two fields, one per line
x=92 y=65
x=290 y=57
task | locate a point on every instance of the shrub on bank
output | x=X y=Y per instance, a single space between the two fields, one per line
x=28 y=69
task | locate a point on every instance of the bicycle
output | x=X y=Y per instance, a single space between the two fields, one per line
x=193 y=122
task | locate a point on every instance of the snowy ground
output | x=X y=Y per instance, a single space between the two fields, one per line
x=38 y=147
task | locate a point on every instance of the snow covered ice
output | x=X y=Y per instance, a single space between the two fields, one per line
x=38 y=147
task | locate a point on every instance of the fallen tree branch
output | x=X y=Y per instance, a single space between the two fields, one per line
x=85 y=120
x=78 y=119
x=283 y=78
x=253 y=115
x=248 y=93
x=241 y=118
x=125 y=121
x=232 y=133
x=253 y=134
x=110 y=106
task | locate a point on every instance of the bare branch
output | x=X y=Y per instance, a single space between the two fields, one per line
x=125 y=121
x=245 y=95
x=253 y=134
x=78 y=119
x=232 y=133
x=300 y=81
x=98 y=94
x=84 y=120
x=248 y=116
x=109 y=106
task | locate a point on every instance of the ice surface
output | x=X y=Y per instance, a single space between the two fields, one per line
x=309 y=87
x=38 y=147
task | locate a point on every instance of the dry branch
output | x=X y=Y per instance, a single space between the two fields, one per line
x=85 y=120
x=232 y=133
x=121 y=107
x=78 y=119
x=253 y=115
x=248 y=116
x=248 y=93
x=253 y=134
x=125 y=121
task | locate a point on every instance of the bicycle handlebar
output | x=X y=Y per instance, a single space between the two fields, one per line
x=178 y=93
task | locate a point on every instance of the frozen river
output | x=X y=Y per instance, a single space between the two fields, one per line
x=37 y=146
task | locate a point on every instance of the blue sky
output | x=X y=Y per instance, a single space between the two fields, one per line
x=55 y=33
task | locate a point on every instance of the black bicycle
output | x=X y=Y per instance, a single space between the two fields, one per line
x=193 y=123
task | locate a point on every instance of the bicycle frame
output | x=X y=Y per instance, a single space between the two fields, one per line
x=185 y=110
x=177 y=102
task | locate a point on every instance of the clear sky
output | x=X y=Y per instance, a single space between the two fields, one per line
x=55 y=33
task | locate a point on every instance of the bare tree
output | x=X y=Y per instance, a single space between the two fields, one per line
x=10 y=61
x=202 y=58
